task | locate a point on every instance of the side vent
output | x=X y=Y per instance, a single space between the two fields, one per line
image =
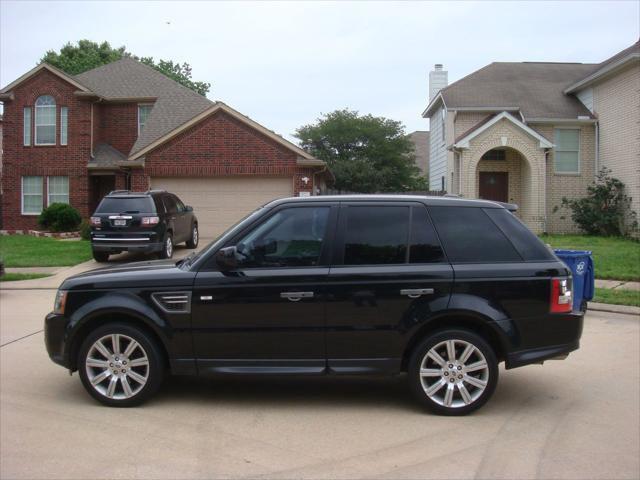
x=173 y=302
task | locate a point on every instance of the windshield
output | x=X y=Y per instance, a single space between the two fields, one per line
x=126 y=205
x=247 y=219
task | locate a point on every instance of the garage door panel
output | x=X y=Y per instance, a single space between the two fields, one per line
x=221 y=202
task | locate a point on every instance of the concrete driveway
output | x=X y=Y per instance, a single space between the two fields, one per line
x=577 y=418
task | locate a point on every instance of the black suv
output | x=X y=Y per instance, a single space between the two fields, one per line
x=148 y=222
x=440 y=288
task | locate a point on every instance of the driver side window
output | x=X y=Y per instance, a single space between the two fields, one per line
x=290 y=238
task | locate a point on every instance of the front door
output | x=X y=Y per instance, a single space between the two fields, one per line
x=388 y=277
x=494 y=186
x=99 y=186
x=268 y=315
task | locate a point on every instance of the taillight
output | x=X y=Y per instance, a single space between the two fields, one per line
x=561 y=296
x=149 y=221
x=96 y=221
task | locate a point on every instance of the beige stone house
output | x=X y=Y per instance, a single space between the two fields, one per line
x=530 y=133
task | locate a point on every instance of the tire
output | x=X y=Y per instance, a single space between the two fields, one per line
x=100 y=257
x=167 y=247
x=146 y=355
x=195 y=237
x=431 y=380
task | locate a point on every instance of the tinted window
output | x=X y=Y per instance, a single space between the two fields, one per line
x=376 y=235
x=179 y=204
x=424 y=246
x=169 y=204
x=469 y=236
x=290 y=238
x=126 y=205
x=527 y=244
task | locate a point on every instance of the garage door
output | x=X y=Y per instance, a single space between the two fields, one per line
x=221 y=202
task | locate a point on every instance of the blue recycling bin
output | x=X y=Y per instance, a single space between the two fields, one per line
x=581 y=264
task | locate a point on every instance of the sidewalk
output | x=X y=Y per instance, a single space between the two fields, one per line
x=618 y=285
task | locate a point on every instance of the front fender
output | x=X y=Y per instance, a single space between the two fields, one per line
x=112 y=305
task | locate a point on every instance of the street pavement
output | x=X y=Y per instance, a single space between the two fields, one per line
x=574 y=419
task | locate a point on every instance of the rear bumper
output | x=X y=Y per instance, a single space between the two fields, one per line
x=538 y=355
x=124 y=246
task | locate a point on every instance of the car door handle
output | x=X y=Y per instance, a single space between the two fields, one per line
x=296 y=296
x=416 y=292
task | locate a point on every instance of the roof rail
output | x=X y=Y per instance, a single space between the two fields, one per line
x=118 y=191
x=156 y=190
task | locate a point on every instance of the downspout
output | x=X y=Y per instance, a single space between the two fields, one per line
x=544 y=197
x=597 y=149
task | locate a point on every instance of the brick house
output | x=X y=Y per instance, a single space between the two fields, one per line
x=126 y=126
x=532 y=132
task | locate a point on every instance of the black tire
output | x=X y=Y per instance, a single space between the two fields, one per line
x=476 y=397
x=167 y=252
x=154 y=374
x=100 y=257
x=195 y=237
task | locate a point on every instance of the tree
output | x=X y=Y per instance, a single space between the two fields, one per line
x=606 y=210
x=365 y=153
x=75 y=59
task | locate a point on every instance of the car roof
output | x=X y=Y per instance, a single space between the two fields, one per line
x=129 y=194
x=443 y=201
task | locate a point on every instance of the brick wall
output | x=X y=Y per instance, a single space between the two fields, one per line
x=617 y=104
x=568 y=185
x=117 y=125
x=69 y=160
x=223 y=146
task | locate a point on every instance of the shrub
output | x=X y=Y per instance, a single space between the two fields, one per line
x=606 y=210
x=59 y=217
x=85 y=230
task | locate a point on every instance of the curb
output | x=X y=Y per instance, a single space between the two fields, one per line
x=607 y=307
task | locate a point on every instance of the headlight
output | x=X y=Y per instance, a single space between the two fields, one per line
x=61 y=301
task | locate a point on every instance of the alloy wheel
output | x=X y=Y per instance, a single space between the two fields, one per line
x=168 y=247
x=117 y=366
x=454 y=373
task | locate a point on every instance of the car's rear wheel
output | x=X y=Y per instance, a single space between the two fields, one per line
x=453 y=372
x=100 y=257
x=195 y=237
x=120 y=365
x=167 y=247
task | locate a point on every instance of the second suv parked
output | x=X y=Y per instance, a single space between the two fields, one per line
x=149 y=222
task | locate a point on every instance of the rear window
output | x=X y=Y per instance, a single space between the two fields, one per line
x=528 y=245
x=126 y=205
x=469 y=236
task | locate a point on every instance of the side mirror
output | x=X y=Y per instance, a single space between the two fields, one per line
x=226 y=259
x=188 y=208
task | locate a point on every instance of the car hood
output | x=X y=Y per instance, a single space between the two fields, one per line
x=150 y=273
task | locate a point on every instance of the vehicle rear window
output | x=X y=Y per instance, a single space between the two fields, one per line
x=376 y=235
x=424 y=246
x=126 y=205
x=528 y=245
x=469 y=236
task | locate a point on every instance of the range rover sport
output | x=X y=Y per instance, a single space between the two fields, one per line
x=442 y=289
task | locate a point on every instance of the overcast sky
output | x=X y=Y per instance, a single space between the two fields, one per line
x=283 y=64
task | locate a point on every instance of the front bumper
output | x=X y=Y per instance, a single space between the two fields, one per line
x=55 y=326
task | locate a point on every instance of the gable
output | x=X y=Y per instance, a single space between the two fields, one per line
x=463 y=141
x=44 y=69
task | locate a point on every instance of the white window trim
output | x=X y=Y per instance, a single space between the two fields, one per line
x=35 y=123
x=579 y=171
x=49 y=190
x=22 y=212
x=66 y=133
x=138 y=114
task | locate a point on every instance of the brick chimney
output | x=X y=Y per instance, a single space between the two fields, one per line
x=438 y=79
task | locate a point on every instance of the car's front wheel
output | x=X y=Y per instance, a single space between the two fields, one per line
x=453 y=372
x=120 y=365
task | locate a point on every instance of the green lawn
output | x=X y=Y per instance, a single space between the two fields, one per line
x=614 y=258
x=617 y=297
x=28 y=251
x=13 y=277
